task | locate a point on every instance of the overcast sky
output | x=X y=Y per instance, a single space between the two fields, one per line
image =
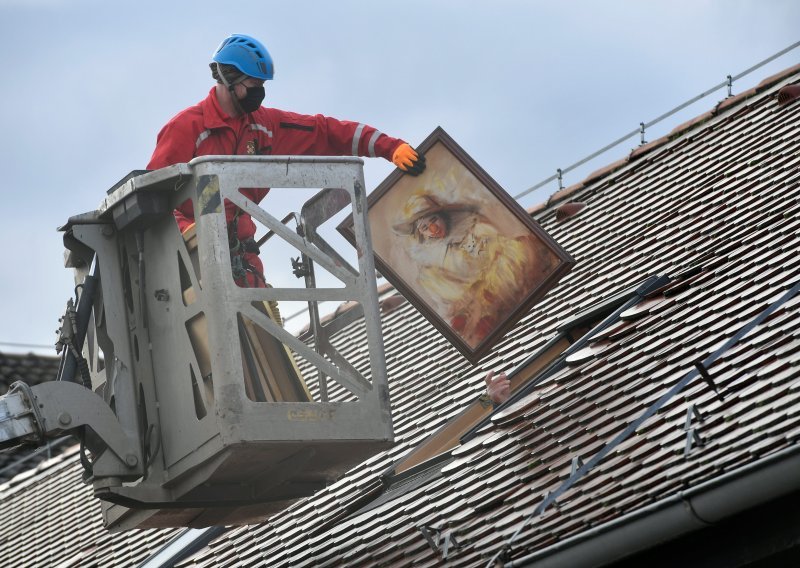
x=525 y=87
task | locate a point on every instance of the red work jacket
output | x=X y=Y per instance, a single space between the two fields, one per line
x=205 y=129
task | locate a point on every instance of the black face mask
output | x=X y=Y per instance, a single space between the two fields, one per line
x=252 y=100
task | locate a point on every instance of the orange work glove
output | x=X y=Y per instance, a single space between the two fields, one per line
x=408 y=160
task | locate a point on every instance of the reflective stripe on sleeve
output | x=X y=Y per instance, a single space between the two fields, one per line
x=203 y=135
x=262 y=128
x=372 y=140
x=357 y=138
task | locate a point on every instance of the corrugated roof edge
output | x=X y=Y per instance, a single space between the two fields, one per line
x=682 y=129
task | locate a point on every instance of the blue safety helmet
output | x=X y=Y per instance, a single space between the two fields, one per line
x=247 y=54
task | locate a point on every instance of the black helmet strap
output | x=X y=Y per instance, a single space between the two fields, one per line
x=230 y=87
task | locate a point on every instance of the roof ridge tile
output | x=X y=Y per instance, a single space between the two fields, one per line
x=777 y=77
x=691 y=124
x=647 y=147
x=606 y=170
x=733 y=100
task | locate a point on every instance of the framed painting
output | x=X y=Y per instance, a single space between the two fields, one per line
x=460 y=248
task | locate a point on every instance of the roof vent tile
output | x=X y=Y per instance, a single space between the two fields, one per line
x=788 y=94
x=567 y=210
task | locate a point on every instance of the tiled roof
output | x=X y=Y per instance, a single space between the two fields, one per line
x=48 y=517
x=31 y=368
x=714 y=207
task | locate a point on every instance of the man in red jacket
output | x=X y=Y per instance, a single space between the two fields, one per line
x=232 y=121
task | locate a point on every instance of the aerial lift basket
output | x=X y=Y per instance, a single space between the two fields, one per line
x=198 y=371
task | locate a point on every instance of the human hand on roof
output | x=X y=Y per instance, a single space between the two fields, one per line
x=408 y=160
x=498 y=388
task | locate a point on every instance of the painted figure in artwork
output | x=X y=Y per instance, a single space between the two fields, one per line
x=475 y=274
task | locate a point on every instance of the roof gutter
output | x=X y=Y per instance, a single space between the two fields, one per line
x=686 y=511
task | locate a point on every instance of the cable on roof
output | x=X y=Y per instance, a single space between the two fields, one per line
x=633 y=426
x=26 y=345
x=728 y=82
x=48 y=447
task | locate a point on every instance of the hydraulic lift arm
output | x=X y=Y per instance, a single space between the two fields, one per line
x=50 y=410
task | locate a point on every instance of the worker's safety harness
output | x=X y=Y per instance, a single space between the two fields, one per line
x=240 y=267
